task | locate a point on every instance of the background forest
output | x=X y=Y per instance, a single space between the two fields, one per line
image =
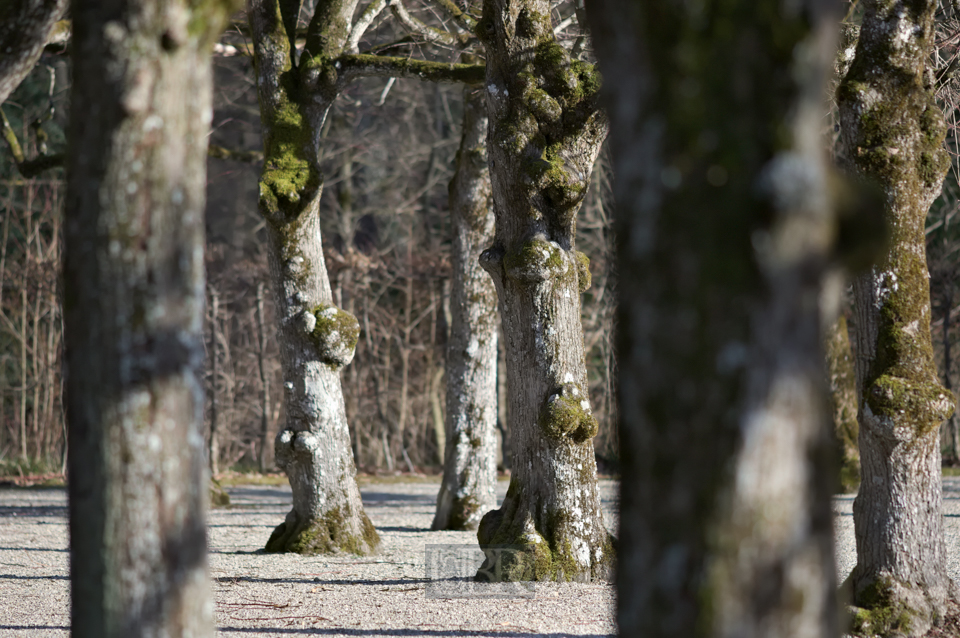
x=388 y=148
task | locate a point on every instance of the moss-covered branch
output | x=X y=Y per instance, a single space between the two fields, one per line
x=350 y=67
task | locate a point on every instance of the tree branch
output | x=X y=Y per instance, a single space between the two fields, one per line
x=27 y=167
x=363 y=23
x=365 y=65
x=249 y=157
x=463 y=19
x=428 y=33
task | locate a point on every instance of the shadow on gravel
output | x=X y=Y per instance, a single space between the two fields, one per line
x=318 y=581
x=32 y=549
x=343 y=631
x=34 y=627
x=22 y=511
x=12 y=577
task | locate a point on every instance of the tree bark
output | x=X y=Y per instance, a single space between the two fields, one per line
x=25 y=27
x=264 y=382
x=133 y=310
x=726 y=230
x=843 y=399
x=545 y=132
x=468 y=489
x=893 y=132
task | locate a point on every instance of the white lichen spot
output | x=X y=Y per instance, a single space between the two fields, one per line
x=492 y=89
x=309 y=322
x=176 y=197
x=885 y=284
x=288 y=386
x=568 y=378
x=585 y=405
x=131 y=188
x=473 y=347
x=575 y=391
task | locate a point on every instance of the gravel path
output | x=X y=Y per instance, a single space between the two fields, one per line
x=385 y=595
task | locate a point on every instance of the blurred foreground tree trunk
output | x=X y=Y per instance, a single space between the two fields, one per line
x=726 y=230
x=469 y=484
x=545 y=132
x=133 y=310
x=893 y=132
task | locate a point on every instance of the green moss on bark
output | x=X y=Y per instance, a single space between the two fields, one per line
x=566 y=413
x=335 y=335
x=329 y=534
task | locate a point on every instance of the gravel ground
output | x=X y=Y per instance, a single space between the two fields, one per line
x=384 y=595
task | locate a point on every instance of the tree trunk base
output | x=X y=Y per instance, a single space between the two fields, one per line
x=336 y=532
x=458 y=514
x=893 y=609
x=517 y=550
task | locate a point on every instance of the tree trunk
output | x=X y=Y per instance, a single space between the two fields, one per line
x=469 y=484
x=214 y=448
x=893 y=132
x=264 y=382
x=725 y=229
x=843 y=399
x=545 y=133
x=947 y=364
x=133 y=310
x=316 y=338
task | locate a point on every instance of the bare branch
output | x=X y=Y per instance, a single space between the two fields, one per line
x=428 y=33
x=366 y=18
x=27 y=167
x=463 y=19
x=220 y=152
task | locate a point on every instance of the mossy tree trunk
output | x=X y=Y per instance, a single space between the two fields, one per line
x=726 y=230
x=893 y=132
x=316 y=338
x=133 y=312
x=843 y=400
x=469 y=484
x=545 y=132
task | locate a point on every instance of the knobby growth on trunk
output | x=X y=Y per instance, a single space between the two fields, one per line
x=545 y=132
x=726 y=228
x=893 y=133
x=316 y=338
x=133 y=309
x=469 y=484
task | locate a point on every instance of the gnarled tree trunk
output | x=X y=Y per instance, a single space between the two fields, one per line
x=133 y=313
x=545 y=132
x=725 y=230
x=316 y=338
x=893 y=132
x=469 y=484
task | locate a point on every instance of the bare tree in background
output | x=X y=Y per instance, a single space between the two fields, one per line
x=133 y=311
x=893 y=132
x=725 y=232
